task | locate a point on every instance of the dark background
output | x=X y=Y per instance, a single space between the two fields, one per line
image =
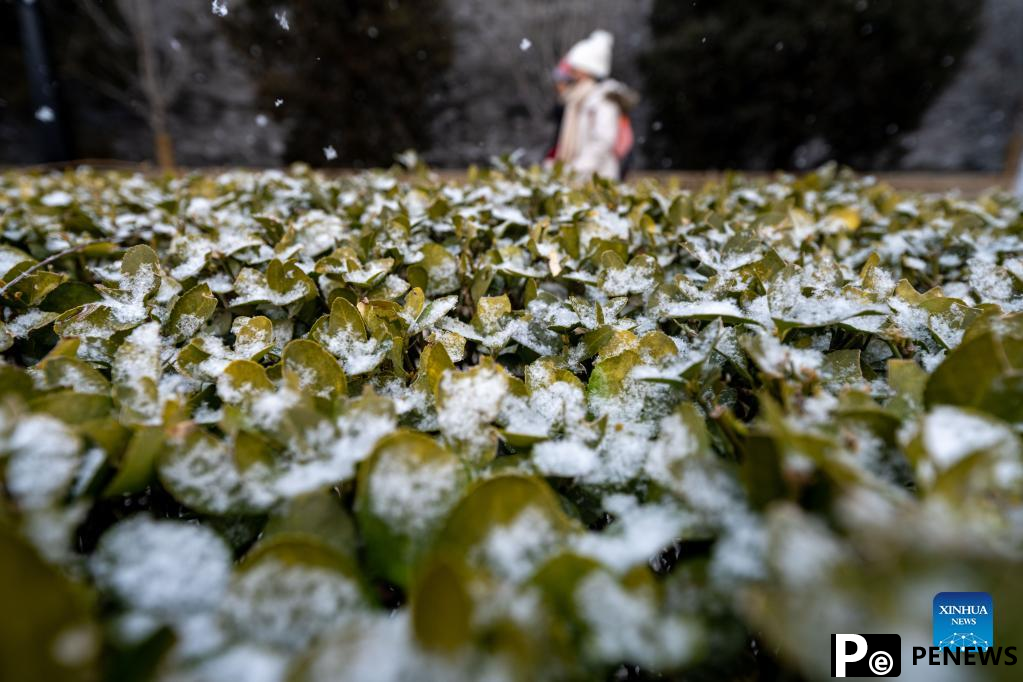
x=876 y=84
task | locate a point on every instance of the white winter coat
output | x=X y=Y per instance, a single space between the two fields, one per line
x=589 y=128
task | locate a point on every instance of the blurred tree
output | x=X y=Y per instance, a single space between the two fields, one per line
x=791 y=83
x=138 y=74
x=154 y=81
x=126 y=60
x=352 y=77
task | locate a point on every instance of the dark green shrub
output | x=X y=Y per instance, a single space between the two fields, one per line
x=742 y=84
x=356 y=76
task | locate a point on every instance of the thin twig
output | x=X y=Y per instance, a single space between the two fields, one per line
x=114 y=33
x=66 y=252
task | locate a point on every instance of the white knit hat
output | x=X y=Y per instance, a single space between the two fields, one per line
x=592 y=55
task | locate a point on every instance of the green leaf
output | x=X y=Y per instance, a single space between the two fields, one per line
x=288 y=592
x=190 y=312
x=30 y=291
x=216 y=476
x=404 y=490
x=985 y=371
x=909 y=382
x=491 y=507
x=608 y=376
x=343 y=333
x=53 y=619
x=70 y=295
x=441 y=270
x=316 y=518
x=842 y=368
x=253 y=336
x=140 y=272
x=242 y=381
x=281 y=285
x=137 y=466
x=313 y=369
x=442 y=608
x=137 y=259
x=72 y=407
x=10 y=258
x=490 y=311
x=136 y=373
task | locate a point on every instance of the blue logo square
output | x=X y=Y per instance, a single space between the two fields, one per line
x=963 y=620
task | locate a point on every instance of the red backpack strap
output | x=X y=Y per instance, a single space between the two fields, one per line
x=625 y=139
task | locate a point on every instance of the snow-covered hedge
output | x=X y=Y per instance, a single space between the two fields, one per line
x=271 y=426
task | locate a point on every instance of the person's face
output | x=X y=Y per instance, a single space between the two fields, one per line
x=578 y=75
x=566 y=82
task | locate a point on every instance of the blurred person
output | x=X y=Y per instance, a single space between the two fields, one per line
x=595 y=133
x=1019 y=178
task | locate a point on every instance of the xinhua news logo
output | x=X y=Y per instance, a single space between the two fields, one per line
x=866 y=655
x=964 y=633
x=963 y=620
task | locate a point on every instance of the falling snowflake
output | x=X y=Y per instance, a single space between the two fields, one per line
x=282 y=19
x=330 y=152
x=45 y=114
x=219 y=7
x=262 y=120
x=278 y=102
x=525 y=44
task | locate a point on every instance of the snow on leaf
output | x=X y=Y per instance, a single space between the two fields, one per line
x=161 y=566
x=43 y=457
x=624 y=625
x=467 y=402
x=344 y=334
x=289 y=593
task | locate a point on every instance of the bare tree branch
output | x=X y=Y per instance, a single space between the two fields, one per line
x=174 y=78
x=111 y=91
x=112 y=32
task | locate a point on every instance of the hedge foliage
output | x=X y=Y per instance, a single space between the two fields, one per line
x=287 y=426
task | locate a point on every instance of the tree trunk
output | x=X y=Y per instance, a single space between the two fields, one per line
x=163 y=144
x=164 y=150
